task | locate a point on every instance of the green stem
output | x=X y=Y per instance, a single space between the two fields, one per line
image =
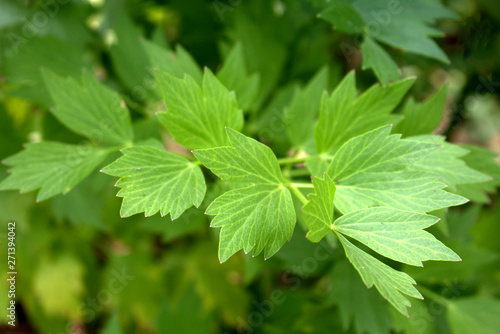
x=291 y=160
x=434 y=296
x=297 y=193
x=302 y=185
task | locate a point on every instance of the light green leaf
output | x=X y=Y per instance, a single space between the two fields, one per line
x=318 y=212
x=300 y=116
x=376 y=58
x=54 y=168
x=343 y=117
x=257 y=215
x=474 y=315
x=395 y=234
x=343 y=16
x=446 y=164
x=246 y=161
x=196 y=116
x=422 y=118
x=234 y=76
x=89 y=108
x=371 y=170
x=176 y=63
x=253 y=218
x=154 y=180
x=391 y=284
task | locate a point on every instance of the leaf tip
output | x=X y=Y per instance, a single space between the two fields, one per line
x=459 y=259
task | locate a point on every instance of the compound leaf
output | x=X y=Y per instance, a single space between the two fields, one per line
x=54 y=168
x=154 y=180
x=318 y=212
x=258 y=214
x=89 y=108
x=196 y=116
x=395 y=234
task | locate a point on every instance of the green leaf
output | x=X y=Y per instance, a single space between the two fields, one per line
x=371 y=170
x=376 y=58
x=112 y=326
x=301 y=115
x=154 y=180
x=474 y=315
x=343 y=16
x=422 y=118
x=446 y=164
x=395 y=234
x=343 y=117
x=482 y=160
x=318 y=212
x=52 y=167
x=89 y=108
x=405 y=24
x=391 y=284
x=234 y=75
x=23 y=67
x=176 y=63
x=258 y=214
x=196 y=116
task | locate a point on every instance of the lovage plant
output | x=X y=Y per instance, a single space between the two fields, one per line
x=325 y=154
x=353 y=175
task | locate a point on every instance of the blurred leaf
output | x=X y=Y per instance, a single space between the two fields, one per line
x=474 y=315
x=89 y=108
x=376 y=58
x=363 y=307
x=446 y=164
x=23 y=67
x=234 y=75
x=405 y=24
x=186 y=315
x=300 y=116
x=343 y=16
x=177 y=64
x=483 y=161
x=422 y=118
x=112 y=326
x=52 y=167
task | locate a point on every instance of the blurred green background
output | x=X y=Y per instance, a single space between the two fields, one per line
x=83 y=269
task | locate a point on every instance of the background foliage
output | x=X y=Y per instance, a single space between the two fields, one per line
x=84 y=269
